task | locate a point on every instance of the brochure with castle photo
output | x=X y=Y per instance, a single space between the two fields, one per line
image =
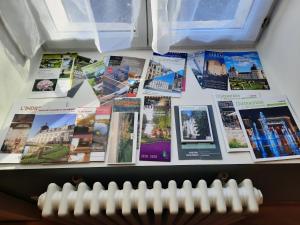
x=245 y=71
x=54 y=76
x=156 y=129
x=123 y=134
x=17 y=129
x=214 y=71
x=166 y=74
x=272 y=129
x=196 y=133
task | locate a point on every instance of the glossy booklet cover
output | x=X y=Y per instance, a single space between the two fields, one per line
x=166 y=74
x=156 y=129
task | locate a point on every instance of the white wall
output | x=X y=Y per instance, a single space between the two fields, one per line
x=279 y=49
x=11 y=85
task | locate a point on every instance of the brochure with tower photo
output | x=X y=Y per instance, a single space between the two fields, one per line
x=156 y=129
x=196 y=63
x=245 y=71
x=214 y=71
x=207 y=146
x=54 y=76
x=166 y=74
x=272 y=129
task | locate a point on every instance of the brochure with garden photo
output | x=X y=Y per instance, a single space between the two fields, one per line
x=123 y=134
x=245 y=71
x=54 y=76
x=196 y=133
x=156 y=129
x=166 y=74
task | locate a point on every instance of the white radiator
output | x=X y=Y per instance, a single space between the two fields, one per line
x=186 y=205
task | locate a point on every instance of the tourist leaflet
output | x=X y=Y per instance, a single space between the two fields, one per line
x=54 y=76
x=196 y=63
x=196 y=133
x=123 y=134
x=245 y=71
x=156 y=129
x=272 y=128
x=114 y=77
x=235 y=137
x=166 y=74
x=79 y=76
x=214 y=71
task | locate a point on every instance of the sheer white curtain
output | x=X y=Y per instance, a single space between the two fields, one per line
x=110 y=23
x=206 y=22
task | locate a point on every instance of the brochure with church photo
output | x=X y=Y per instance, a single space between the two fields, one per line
x=166 y=74
x=214 y=71
x=272 y=129
x=54 y=76
x=156 y=129
x=195 y=124
x=245 y=71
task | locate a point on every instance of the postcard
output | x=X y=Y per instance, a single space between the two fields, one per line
x=196 y=63
x=100 y=133
x=214 y=71
x=54 y=76
x=156 y=129
x=209 y=150
x=245 y=71
x=272 y=129
x=195 y=124
x=166 y=74
x=122 y=138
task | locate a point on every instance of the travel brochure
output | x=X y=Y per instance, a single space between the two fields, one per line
x=156 y=129
x=54 y=76
x=242 y=70
x=196 y=133
x=54 y=133
x=166 y=74
x=123 y=128
x=123 y=135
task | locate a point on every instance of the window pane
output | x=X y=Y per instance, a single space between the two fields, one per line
x=76 y=11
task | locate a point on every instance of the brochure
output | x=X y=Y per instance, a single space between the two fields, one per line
x=272 y=129
x=79 y=76
x=214 y=71
x=156 y=129
x=198 y=123
x=166 y=74
x=235 y=137
x=196 y=63
x=123 y=134
x=245 y=71
x=100 y=133
x=54 y=76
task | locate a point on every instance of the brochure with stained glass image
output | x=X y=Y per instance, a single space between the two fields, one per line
x=272 y=128
x=197 y=150
x=195 y=124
